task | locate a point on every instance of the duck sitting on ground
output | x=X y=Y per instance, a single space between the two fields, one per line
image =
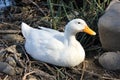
x=54 y=47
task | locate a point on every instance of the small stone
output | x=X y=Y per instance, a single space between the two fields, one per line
x=7 y=69
x=110 y=60
x=11 y=61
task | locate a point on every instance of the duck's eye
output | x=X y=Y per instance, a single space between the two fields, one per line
x=79 y=22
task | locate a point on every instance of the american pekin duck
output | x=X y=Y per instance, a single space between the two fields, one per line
x=54 y=47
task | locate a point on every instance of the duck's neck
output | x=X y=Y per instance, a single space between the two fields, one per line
x=69 y=38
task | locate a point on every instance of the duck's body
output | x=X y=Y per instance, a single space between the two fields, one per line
x=54 y=47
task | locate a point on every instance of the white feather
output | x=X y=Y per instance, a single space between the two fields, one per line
x=54 y=47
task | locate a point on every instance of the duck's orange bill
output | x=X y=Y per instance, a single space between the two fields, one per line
x=89 y=31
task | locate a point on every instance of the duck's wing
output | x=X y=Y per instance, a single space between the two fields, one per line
x=43 y=39
x=56 y=34
x=49 y=30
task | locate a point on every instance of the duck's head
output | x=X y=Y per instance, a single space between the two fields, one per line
x=78 y=25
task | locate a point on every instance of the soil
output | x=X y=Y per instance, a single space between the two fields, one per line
x=16 y=64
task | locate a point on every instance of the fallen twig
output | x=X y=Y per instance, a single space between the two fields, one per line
x=9 y=31
x=38 y=7
x=24 y=77
x=40 y=73
x=94 y=74
x=83 y=70
x=50 y=69
x=69 y=75
x=6 y=77
x=28 y=60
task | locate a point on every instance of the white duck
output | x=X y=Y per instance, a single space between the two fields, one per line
x=54 y=47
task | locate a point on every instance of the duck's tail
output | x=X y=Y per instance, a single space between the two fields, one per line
x=25 y=29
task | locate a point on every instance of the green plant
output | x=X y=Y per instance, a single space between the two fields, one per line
x=89 y=10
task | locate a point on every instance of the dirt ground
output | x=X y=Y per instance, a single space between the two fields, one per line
x=16 y=64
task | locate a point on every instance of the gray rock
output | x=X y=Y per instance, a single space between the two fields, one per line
x=11 y=61
x=110 y=60
x=109 y=27
x=7 y=69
